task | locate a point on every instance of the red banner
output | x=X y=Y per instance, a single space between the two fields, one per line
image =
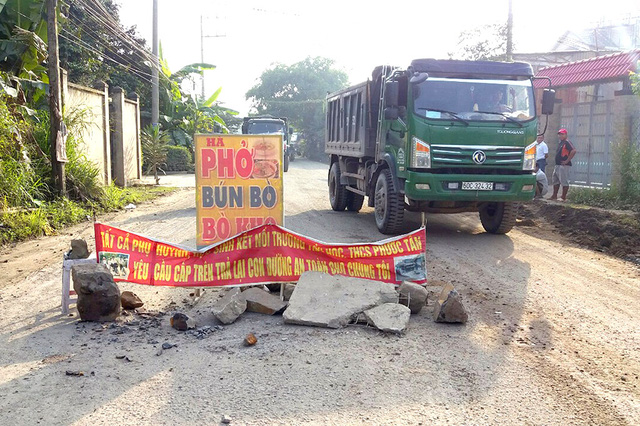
x=266 y=254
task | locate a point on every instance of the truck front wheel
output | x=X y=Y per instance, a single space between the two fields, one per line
x=337 y=192
x=498 y=218
x=285 y=166
x=354 y=201
x=388 y=205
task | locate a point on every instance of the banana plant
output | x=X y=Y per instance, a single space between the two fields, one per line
x=184 y=113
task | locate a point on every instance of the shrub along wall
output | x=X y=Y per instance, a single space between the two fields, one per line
x=179 y=159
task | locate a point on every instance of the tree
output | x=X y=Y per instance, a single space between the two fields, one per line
x=183 y=113
x=298 y=92
x=94 y=46
x=154 y=149
x=488 y=42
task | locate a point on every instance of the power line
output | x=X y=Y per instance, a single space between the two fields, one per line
x=114 y=28
x=80 y=43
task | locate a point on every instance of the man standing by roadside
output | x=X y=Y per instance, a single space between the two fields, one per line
x=542 y=153
x=565 y=153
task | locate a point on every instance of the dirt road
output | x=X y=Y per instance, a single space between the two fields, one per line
x=553 y=337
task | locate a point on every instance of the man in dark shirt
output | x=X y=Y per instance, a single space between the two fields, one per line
x=566 y=151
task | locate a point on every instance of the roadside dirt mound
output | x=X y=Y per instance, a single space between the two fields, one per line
x=614 y=232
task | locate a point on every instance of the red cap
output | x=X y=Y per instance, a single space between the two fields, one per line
x=563 y=131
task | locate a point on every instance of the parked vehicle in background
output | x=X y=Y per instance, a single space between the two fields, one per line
x=442 y=136
x=268 y=125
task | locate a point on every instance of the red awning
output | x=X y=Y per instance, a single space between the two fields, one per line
x=602 y=68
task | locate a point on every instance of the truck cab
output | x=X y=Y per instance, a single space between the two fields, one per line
x=267 y=125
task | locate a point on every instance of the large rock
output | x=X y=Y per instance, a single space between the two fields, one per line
x=449 y=308
x=79 y=250
x=230 y=307
x=98 y=294
x=330 y=301
x=390 y=317
x=413 y=295
x=262 y=301
x=130 y=300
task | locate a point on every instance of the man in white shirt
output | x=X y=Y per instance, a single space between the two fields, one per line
x=542 y=152
x=542 y=184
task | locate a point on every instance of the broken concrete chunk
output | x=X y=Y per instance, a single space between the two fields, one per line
x=449 y=308
x=288 y=291
x=389 y=317
x=330 y=301
x=230 y=307
x=413 y=295
x=98 y=294
x=182 y=322
x=130 y=300
x=79 y=250
x=262 y=301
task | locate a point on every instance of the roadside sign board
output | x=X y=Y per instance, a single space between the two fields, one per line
x=238 y=184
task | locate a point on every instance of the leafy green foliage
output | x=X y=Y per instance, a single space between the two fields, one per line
x=23 y=35
x=154 y=149
x=624 y=193
x=179 y=159
x=50 y=217
x=298 y=92
x=94 y=46
x=487 y=42
x=20 y=185
x=184 y=114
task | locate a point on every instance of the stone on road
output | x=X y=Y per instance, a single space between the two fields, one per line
x=130 y=300
x=262 y=302
x=230 y=307
x=389 y=317
x=448 y=307
x=413 y=295
x=98 y=294
x=333 y=301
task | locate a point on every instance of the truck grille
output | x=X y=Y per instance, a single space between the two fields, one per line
x=463 y=155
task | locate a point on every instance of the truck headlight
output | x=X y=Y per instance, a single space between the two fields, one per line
x=529 y=162
x=421 y=157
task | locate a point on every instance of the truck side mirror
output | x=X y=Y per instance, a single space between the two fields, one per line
x=391 y=93
x=418 y=77
x=548 y=100
x=391 y=113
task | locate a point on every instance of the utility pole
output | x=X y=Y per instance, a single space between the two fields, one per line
x=202 y=37
x=510 y=34
x=56 y=137
x=155 y=85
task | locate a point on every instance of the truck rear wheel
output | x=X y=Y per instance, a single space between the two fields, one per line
x=285 y=166
x=292 y=156
x=388 y=205
x=498 y=218
x=337 y=192
x=354 y=201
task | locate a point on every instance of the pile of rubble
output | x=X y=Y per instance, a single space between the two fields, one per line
x=318 y=299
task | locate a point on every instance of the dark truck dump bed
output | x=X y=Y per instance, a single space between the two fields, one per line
x=351 y=122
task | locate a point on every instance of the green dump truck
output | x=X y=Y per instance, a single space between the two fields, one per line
x=442 y=136
x=268 y=125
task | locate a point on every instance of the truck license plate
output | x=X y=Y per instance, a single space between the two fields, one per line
x=477 y=186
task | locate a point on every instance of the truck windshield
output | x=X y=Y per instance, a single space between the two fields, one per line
x=474 y=100
x=262 y=128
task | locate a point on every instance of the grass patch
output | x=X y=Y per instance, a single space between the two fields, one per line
x=50 y=217
x=604 y=198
